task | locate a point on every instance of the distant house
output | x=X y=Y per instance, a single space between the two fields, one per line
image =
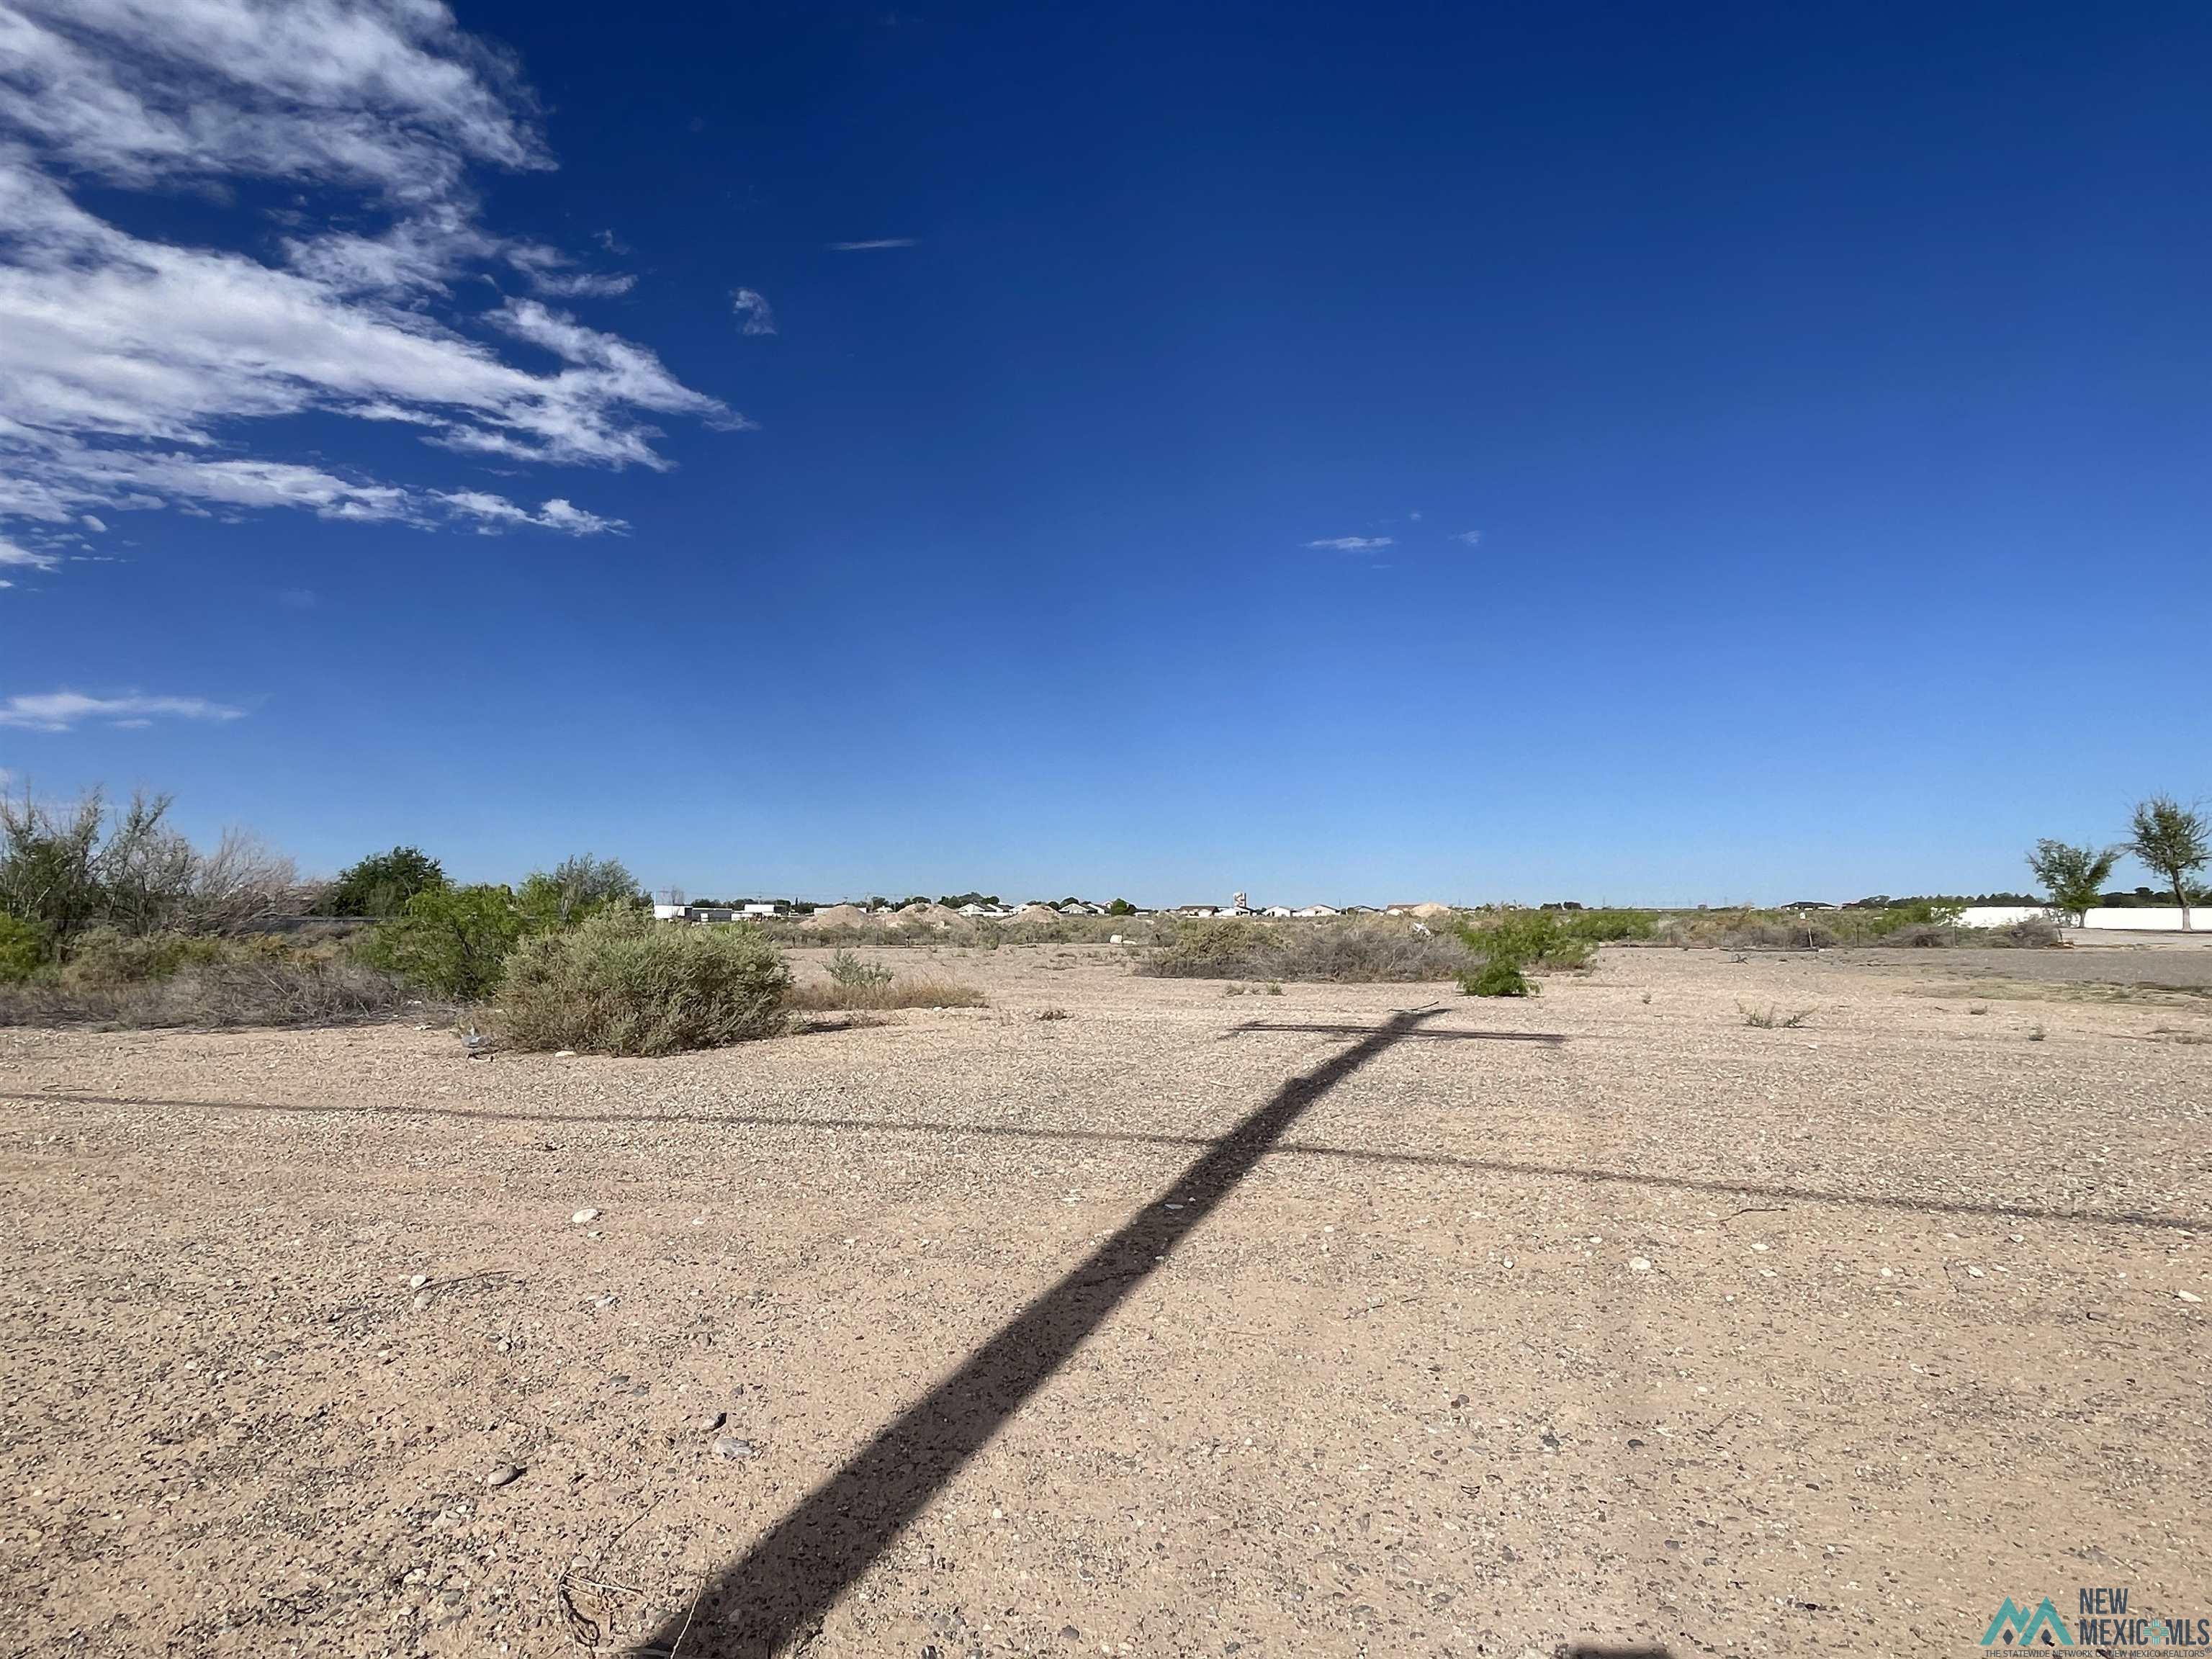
x=715 y=913
x=1316 y=910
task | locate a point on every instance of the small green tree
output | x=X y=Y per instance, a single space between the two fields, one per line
x=2172 y=840
x=574 y=889
x=382 y=883
x=2073 y=876
x=49 y=866
x=450 y=940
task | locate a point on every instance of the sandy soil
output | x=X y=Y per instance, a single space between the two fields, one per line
x=1138 y=1330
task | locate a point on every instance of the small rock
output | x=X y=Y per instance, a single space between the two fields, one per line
x=505 y=1474
x=1639 y=1264
x=583 y=1216
x=731 y=1447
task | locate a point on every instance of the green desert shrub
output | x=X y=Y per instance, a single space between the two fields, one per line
x=1533 y=939
x=1609 y=927
x=450 y=941
x=1500 y=976
x=620 y=983
x=857 y=972
x=22 y=948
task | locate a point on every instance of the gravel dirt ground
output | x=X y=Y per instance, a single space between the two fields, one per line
x=1124 y=1316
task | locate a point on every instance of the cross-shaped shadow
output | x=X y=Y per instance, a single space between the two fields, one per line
x=788 y=1581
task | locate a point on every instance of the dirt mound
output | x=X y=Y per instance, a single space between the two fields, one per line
x=929 y=916
x=838 y=915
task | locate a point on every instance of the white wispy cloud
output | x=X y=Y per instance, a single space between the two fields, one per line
x=1353 y=544
x=495 y=513
x=12 y=554
x=753 y=312
x=59 y=711
x=874 y=244
x=135 y=372
x=1471 y=537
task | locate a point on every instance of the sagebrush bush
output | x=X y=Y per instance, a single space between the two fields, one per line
x=620 y=983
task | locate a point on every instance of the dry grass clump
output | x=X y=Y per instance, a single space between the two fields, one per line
x=1340 y=952
x=157 y=983
x=856 y=983
x=619 y=983
x=820 y=998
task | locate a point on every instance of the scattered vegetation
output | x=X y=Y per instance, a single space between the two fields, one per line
x=1347 y=951
x=618 y=983
x=66 y=869
x=167 y=980
x=1919 y=922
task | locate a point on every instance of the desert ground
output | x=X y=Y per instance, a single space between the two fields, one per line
x=1124 y=1315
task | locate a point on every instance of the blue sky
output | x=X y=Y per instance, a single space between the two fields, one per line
x=1347 y=454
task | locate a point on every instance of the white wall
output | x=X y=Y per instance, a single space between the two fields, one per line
x=2149 y=920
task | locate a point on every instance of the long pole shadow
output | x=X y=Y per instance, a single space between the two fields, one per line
x=788 y=1581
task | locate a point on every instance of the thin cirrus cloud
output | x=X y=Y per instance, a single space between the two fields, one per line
x=754 y=315
x=138 y=373
x=874 y=245
x=59 y=711
x=1353 y=543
